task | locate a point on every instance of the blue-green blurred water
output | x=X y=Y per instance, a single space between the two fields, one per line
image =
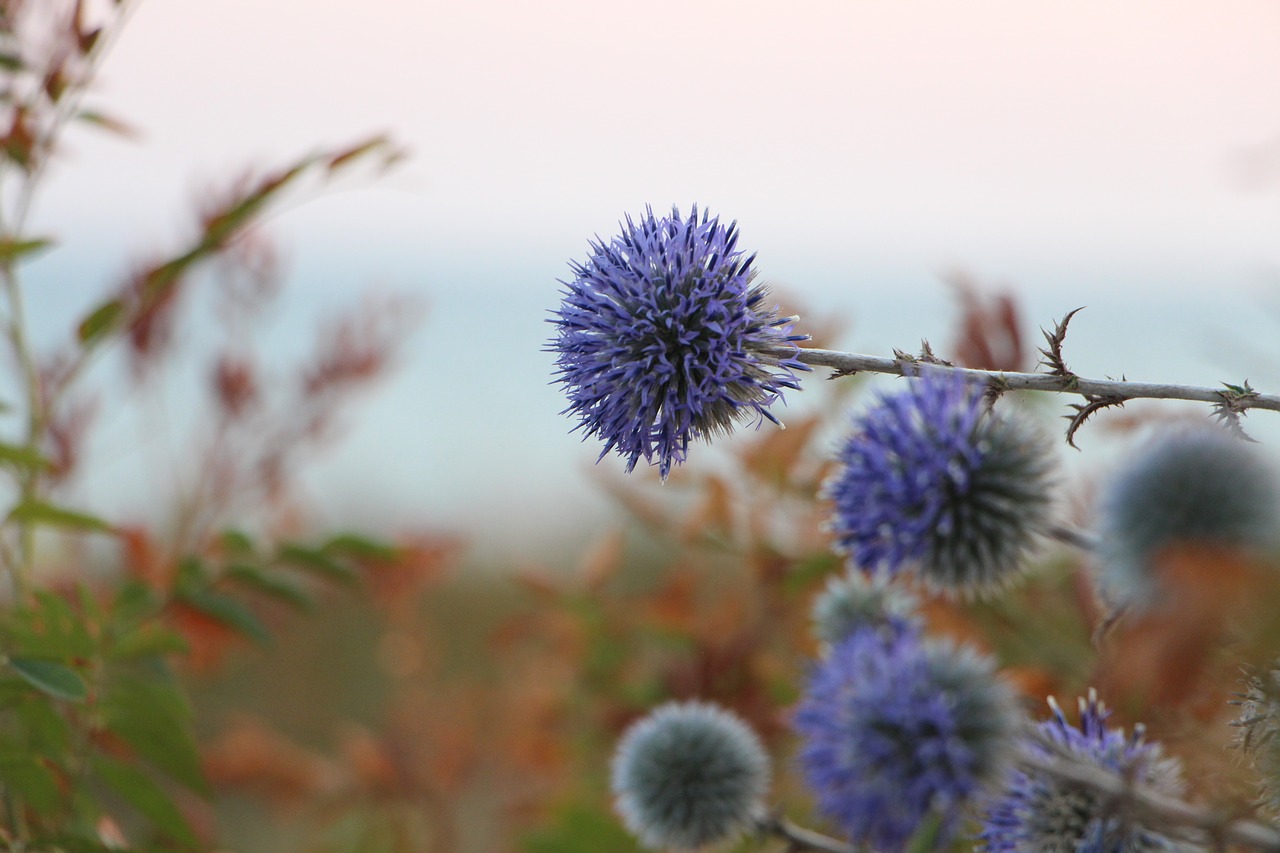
x=466 y=434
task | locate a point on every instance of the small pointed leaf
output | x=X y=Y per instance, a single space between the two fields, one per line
x=142 y=792
x=12 y=250
x=21 y=457
x=229 y=612
x=39 y=512
x=51 y=678
x=103 y=320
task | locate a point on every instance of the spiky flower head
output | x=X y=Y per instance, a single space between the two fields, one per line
x=1042 y=812
x=1190 y=486
x=898 y=731
x=857 y=600
x=662 y=338
x=1259 y=734
x=932 y=482
x=689 y=774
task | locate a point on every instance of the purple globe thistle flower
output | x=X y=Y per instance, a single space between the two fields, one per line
x=931 y=481
x=689 y=774
x=1041 y=812
x=897 y=731
x=857 y=601
x=1197 y=486
x=662 y=338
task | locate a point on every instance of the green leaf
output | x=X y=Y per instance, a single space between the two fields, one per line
x=141 y=791
x=30 y=777
x=316 y=561
x=39 y=512
x=12 y=250
x=52 y=678
x=134 y=602
x=192 y=576
x=229 y=612
x=101 y=321
x=108 y=123
x=11 y=62
x=272 y=584
x=237 y=542
x=361 y=150
x=45 y=730
x=153 y=717
x=22 y=457
x=52 y=630
x=359 y=547
x=146 y=641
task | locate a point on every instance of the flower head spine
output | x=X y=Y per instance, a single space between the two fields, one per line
x=663 y=338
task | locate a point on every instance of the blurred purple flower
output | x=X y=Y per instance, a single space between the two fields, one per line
x=898 y=731
x=662 y=338
x=930 y=481
x=1041 y=812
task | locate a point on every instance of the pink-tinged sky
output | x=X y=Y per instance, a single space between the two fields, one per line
x=1086 y=152
x=977 y=133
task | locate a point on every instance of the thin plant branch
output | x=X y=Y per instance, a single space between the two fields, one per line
x=1152 y=808
x=848 y=364
x=1123 y=795
x=799 y=839
x=1071 y=536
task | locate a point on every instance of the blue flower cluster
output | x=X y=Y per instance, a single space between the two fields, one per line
x=662 y=337
x=898 y=730
x=931 y=481
x=1042 y=812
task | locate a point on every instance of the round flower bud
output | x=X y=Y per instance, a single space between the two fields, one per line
x=689 y=774
x=858 y=600
x=931 y=482
x=1200 y=486
x=897 y=730
x=662 y=337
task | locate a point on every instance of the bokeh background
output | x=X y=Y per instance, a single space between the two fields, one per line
x=1123 y=157
x=964 y=173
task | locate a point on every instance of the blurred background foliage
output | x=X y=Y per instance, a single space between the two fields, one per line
x=226 y=676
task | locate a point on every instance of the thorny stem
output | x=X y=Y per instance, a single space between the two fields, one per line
x=1120 y=795
x=1152 y=808
x=848 y=363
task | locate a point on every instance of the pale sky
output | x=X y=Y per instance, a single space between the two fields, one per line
x=1077 y=150
x=936 y=130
